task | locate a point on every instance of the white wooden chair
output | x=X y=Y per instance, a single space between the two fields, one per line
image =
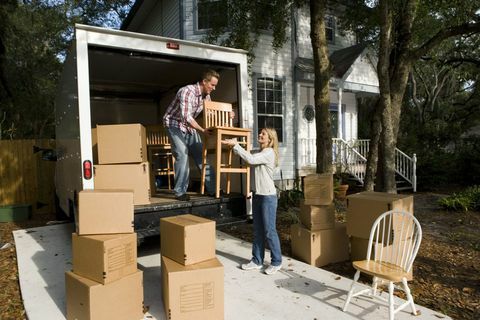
x=216 y=118
x=394 y=241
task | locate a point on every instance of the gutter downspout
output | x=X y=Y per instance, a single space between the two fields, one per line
x=181 y=19
x=296 y=98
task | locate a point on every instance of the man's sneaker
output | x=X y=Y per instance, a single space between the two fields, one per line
x=183 y=197
x=272 y=269
x=251 y=266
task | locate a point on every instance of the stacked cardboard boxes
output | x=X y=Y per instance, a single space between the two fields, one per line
x=105 y=282
x=318 y=239
x=192 y=277
x=362 y=210
x=121 y=151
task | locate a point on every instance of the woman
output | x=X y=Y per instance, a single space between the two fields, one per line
x=264 y=200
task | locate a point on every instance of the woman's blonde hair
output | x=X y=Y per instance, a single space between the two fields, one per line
x=272 y=136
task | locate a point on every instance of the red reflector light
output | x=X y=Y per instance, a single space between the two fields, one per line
x=87 y=169
x=173 y=45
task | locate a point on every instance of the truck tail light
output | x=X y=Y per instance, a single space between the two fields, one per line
x=87 y=169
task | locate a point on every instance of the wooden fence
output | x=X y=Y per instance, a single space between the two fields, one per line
x=25 y=178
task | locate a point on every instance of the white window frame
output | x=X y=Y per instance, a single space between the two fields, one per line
x=257 y=127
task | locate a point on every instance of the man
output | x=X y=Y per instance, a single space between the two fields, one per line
x=183 y=130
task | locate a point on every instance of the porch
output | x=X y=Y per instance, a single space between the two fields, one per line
x=351 y=157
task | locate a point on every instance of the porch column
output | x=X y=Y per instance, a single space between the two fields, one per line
x=339 y=110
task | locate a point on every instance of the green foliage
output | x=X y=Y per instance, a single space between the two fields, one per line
x=247 y=20
x=290 y=198
x=34 y=37
x=469 y=199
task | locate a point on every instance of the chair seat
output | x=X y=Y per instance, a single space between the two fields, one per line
x=381 y=269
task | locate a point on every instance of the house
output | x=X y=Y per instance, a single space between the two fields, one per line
x=281 y=84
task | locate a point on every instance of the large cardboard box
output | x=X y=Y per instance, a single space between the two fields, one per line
x=104 y=258
x=104 y=212
x=193 y=292
x=187 y=239
x=319 y=248
x=359 y=247
x=365 y=207
x=121 y=143
x=90 y=300
x=317 y=217
x=318 y=189
x=134 y=177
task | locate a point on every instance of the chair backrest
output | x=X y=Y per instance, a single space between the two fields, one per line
x=395 y=238
x=217 y=114
x=157 y=135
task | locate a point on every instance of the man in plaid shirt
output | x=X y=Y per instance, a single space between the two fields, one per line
x=183 y=130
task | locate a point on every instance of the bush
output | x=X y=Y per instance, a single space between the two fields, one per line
x=469 y=199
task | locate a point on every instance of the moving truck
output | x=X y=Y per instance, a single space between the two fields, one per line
x=120 y=77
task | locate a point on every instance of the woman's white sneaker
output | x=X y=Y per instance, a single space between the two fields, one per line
x=272 y=269
x=251 y=266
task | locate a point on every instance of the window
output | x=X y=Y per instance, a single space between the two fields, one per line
x=330 y=29
x=263 y=9
x=211 y=13
x=270 y=105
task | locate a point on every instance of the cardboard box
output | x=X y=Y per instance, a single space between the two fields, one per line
x=121 y=143
x=104 y=211
x=359 y=247
x=134 y=177
x=319 y=248
x=318 y=189
x=94 y=146
x=193 y=292
x=317 y=217
x=365 y=207
x=104 y=258
x=187 y=239
x=90 y=300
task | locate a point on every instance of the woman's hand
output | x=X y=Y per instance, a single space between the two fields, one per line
x=230 y=142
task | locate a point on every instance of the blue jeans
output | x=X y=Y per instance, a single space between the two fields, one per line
x=264 y=229
x=184 y=144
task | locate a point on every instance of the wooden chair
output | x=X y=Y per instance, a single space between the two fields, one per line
x=160 y=154
x=216 y=117
x=394 y=241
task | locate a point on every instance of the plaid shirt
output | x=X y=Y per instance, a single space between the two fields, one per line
x=186 y=106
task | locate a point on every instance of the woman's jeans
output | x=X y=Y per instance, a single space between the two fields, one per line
x=264 y=229
x=184 y=144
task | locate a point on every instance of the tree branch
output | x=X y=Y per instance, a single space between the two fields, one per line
x=466 y=28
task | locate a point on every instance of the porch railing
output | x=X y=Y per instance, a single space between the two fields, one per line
x=351 y=156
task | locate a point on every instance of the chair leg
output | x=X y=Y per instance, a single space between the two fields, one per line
x=204 y=167
x=350 y=293
x=409 y=296
x=374 y=286
x=218 y=164
x=391 y=305
x=229 y=165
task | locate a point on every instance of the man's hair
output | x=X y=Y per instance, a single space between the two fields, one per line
x=207 y=75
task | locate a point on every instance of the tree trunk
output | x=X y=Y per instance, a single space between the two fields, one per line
x=372 y=158
x=322 y=77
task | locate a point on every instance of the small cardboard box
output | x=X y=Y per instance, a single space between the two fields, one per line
x=359 y=247
x=193 y=292
x=318 y=189
x=104 y=212
x=319 y=248
x=104 y=258
x=365 y=207
x=134 y=177
x=90 y=300
x=121 y=143
x=317 y=217
x=187 y=239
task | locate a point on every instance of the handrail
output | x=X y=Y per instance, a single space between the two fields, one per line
x=351 y=156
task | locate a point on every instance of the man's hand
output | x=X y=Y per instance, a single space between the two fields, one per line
x=232 y=114
x=208 y=131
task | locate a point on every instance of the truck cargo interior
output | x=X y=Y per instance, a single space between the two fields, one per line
x=136 y=87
